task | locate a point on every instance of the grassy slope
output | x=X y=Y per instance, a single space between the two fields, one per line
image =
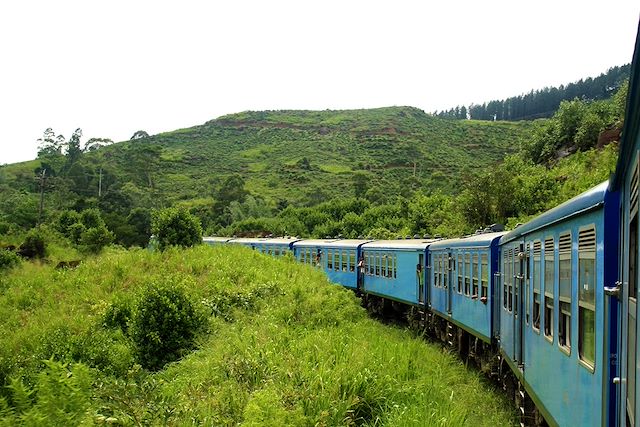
x=265 y=147
x=292 y=349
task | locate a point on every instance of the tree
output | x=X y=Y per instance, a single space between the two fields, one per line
x=231 y=190
x=50 y=144
x=360 y=184
x=95 y=143
x=139 y=134
x=175 y=227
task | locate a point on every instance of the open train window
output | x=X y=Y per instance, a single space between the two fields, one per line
x=378 y=264
x=352 y=260
x=510 y=279
x=475 y=280
x=565 y=276
x=505 y=257
x=345 y=260
x=527 y=282
x=484 y=271
x=549 y=281
x=537 y=253
x=467 y=273
x=587 y=296
x=445 y=263
x=459 y=269
x=383 y=267
x=329 y=259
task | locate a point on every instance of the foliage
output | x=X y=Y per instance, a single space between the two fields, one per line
x=543 y=103
x=164 y=324
x=34 y=245
x=8 y=259
x=176 y=227
x=285 y=346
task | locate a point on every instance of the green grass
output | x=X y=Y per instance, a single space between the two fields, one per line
x=283 y=347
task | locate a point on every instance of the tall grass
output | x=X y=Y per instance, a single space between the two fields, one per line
x=282 y=347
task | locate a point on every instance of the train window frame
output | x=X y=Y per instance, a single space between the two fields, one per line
x=352 y=260
x=510 y=280
x=565 y=258
x=484 y=277
x=588 y=254
x=549 y=282
x=475 y=277
x=537 y=285
x=467 y=274
x=459 y=271
x=505 y=258
x=527 y=282
x=329 y=259
x=383 y=265
x=377 y=273
x=395 y=266
x=445 y=265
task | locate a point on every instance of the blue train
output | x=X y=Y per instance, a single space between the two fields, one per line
x=549 y=308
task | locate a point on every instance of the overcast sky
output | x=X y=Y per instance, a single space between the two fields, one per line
x=115 y=67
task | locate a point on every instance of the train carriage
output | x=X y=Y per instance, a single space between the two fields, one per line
x=396 y=269
x=214 y=241
x=460 y=282
x=625 y=181
x=556 y=322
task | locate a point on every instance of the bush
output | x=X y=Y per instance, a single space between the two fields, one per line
x=164 y=325
x=96 y=238
x=118 y=314
x=176 y=227
x=8 y=259
x=34 y=245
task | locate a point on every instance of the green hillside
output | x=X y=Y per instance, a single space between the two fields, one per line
x=269 y=150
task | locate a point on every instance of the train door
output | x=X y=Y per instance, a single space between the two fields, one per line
x=448 y=289
x=420 y=275
x=519 y=269
x=630 y=294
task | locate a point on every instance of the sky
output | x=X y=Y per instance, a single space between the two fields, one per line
x=113 y=68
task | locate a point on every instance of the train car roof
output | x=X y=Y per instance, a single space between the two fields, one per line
x=631 y=120
x=314 y=242
x=482 y=240
x=347 y=243
x=246 y=240
x=216 y=239
x=279 y=241
x=582 y=203
x=399 y=244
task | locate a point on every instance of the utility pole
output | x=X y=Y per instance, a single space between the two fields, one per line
x=100 y=184
x=42 y=178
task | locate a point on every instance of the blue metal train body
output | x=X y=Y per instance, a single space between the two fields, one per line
x=460 y=282
x=554 y=300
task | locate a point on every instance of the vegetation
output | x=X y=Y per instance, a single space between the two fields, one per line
x=545 y=102
x=280 y=346
x=176 y=227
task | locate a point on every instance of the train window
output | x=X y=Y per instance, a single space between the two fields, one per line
x=459 y=269
x=372 y=264
x=484 y=271
x=302 y=256
x=352 y=260
x=345 y=260
x=392 y=266
x=329 y=259
x=537 y=252
x=549 y=281
x=467 y=273
x=564 y=320
x=445 y=272
x=395 y=266
x=377 y=264
x=440 y=272
x=476 y=277
x=510 y=279
x=434 y=269
x=527 y=282
x=505 y=257
x=587 y=295
x=337 y=260
x=383 y=267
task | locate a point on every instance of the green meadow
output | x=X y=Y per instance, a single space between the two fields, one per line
x=274 y=343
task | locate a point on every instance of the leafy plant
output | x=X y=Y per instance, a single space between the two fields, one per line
x=176 y=227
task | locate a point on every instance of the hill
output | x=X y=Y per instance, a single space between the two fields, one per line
x=298 y=158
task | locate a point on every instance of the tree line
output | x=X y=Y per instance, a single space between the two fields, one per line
x=542 y=103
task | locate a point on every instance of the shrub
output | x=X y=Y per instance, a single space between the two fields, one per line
x=95 y=238
x=118 y=314
x=8 y=259
x=176 y=227
x=164 y=325
x=34 y=245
